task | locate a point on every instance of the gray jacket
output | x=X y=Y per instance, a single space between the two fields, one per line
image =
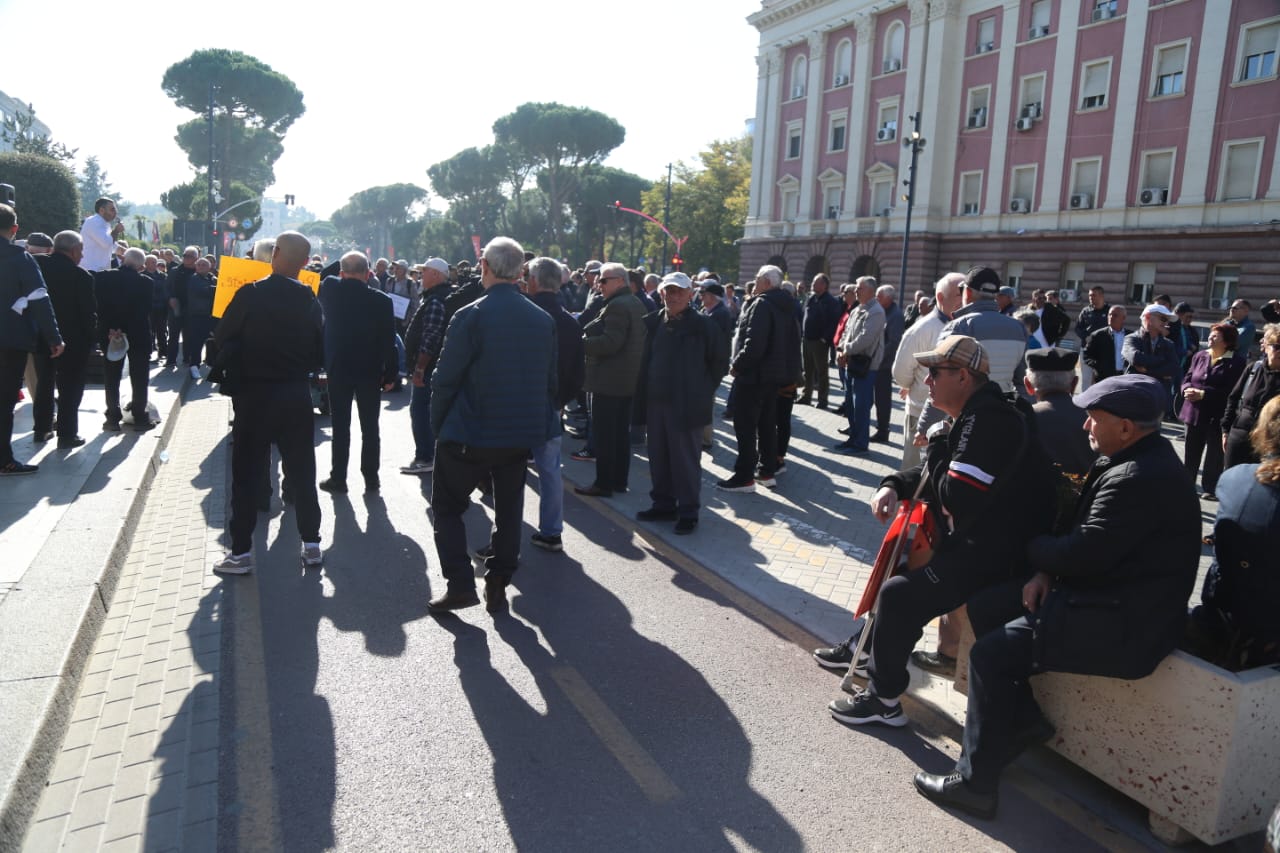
x=864 y=333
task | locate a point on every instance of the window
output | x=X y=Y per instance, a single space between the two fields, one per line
x=893 y=42
x=844 y=63
x=799 y=73
x=881 y=197
x=1223 y=286
x=1240 y=170
x=1012 y=275
x=790 y=197
x=1259 y=51
x=1073 y=280
x=837 y=138
x=1031 y=97
x=970 y=193
x=1142 y=284
x=831 y=195
x=1039 y=19
x=1157 y=175
x=887 y=121
x=1084 y=183
x=1169 y=71
x=986 y=35
x=794 y=138
x=978 y=100
x=1023 y=187
x=1094 y=80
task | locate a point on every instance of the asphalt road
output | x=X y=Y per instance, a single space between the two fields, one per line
x=622 y=705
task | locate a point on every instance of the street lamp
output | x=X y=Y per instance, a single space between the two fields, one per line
x=916 y=143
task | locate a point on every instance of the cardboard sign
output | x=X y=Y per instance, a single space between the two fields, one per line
x=235 y=273
x=400 y=304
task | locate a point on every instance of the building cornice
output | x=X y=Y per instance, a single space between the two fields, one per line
x=776 y=13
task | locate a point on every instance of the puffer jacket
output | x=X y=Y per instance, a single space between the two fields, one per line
x=614 y=346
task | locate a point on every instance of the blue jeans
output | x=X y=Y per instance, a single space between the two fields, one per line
x=424 y=438
x=859 y=394
x=546 y=461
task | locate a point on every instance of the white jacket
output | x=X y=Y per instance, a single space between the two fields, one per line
x=909 y=373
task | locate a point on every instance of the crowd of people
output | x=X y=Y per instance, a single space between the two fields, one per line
x=998 y=417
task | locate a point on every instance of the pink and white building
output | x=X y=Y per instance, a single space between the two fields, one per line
x=1125 y=143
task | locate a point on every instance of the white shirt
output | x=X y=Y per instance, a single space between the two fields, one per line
x=98 y=245
x=1118 y=339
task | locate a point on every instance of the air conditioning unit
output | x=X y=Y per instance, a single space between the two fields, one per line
x=1101 y=13
x=1153 y=196
x=1032 y=110
x=842 y=79
x=797 y=92
x=892 y=65
x=1038 y=32
x=970 y=209
x=1067 y=296
x=986 y=46
x=1025 y=124
x=884 y=134
x=1081 y=201
x=1019 y=205
x=978 y=119
x=886 y=211
x=833 y=213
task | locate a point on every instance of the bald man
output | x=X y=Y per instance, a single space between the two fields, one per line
x=275 y=329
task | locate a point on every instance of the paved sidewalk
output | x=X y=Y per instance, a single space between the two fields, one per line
x=138 y=769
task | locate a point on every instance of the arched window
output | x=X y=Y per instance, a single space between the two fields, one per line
x=799 y=74
x=844 y=63
x=893 y=39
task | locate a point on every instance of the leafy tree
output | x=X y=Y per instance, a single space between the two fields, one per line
x=178 y=200
x=593 y=207
x=472 y=182
x=444 y=237
x=17 y=132
x=374 y=215
x=94 y=185
x=45 y=192
x=558 y=141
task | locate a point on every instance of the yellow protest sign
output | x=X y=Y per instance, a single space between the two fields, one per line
x=235 y=273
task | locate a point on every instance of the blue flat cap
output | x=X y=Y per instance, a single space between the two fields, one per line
x=1134 y=396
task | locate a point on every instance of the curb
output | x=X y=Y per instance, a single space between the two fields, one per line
x=54 y=699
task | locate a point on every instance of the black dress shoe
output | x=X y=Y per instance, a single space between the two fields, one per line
x=685 y=526
x=452 y=601
x=495 y=595
x=332 y=485
x=68 y=443
x=655 y=514
x=593 y=491
x=952 y=790
x=881 y=437
x=42 y=435
x=839 y=410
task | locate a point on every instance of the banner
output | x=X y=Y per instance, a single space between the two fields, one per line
x=235 y=273
x=475 y=241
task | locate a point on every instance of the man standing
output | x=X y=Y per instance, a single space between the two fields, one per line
x=1092 y=318
x=911 y=375
x=685 y=357
x=97 y=235
x=158 y=314
x=492 y=402
x=26 y=308
x=767 y=357
x=1238 y=316
x=821 y=314
x=198 y=315
x=72 y=299
x=860 y=354
x=1150 y=351
x=614 y=346
x=1109 y=597
x=893 y=329
x=1104 y=348
x=124 y=305
x=546 y=275
x=422 y=347
x=178 y=277
x=360 y=360
x=277 y=328
x=381 y=273
x=1005 y=299
x=1051 y=377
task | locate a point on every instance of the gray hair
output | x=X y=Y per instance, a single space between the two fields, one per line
x=134 y=258
x=262 y=249
x=67 y=241
x=789 y=287
x=772 y=273
x=1029 y=319
x=546 y=274
x=887 y=290
x=1051 y=381
x=1151 y=425
x=654 y=278
x=505 y=258
x=355 y=263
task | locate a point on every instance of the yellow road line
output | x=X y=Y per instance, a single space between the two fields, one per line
x=656 y=784
x=258 y=824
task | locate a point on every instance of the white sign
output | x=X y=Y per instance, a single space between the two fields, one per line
x=400 y=305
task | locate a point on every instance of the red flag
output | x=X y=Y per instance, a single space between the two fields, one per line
x=475 y=241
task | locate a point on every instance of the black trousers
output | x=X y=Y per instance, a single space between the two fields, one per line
x=1000 y=702
x=367 y=396
x=1239 y=450
x=755 y=425
x=611 y=438
x=884 y=396
x=459 y=469
x=1204 y=440
x=675 y=460
x=175 y=331
x=817 y=374
x=159 y=318
x=786 y=402
x=13 y=363
x=66 y=374
x=112 y=372
x=267 y=412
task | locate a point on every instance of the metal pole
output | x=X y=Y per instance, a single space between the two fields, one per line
x=213 y=222
x=915 y=142
x=666 y=214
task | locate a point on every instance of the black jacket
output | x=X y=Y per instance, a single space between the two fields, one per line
x=359 y=332
x=1123 y=573
x=821 y=313
x=124 y=303
x=1155 y=355
x=71 y=294
x=1091 y=320
x=571 y=361
x=1253 y=389
x=684 y=361
x=769 y=341
x=20 y=278
x=178 y=277
x=279 y=329
x=1100 y=353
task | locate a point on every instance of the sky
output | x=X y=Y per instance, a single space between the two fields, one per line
x=390 y=88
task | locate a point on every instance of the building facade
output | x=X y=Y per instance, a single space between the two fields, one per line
x=10 y=110
x=1130 y=144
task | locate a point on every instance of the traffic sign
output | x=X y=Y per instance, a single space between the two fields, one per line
x=232 y=223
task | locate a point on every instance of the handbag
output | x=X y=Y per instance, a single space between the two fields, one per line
x=859 y=366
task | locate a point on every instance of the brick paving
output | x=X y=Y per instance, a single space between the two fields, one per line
x=138 y=767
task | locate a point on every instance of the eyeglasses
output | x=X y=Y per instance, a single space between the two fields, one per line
x=934 y=371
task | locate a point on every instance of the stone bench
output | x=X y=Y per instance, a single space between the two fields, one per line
x=1197 y=745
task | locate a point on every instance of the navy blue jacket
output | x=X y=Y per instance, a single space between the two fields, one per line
x=21 y=278
x=71 y=295
x=494 y=383
x=769 y=341
x=359 y=332
x=571 y=361
x=124 y=303
x=821 y=314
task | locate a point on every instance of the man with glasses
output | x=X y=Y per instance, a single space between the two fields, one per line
x=990 y=489
x=1149 y=350
x=1239 y=317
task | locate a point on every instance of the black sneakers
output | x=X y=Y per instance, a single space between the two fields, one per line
x=736 y=484
x=865 y=707
x=547 y=543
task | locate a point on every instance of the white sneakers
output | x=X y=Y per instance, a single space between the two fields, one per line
x=234 y=565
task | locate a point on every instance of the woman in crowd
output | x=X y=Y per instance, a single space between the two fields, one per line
x=1210 y=378
x=1257 y=385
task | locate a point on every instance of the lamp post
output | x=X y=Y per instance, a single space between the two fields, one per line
x=916 y=143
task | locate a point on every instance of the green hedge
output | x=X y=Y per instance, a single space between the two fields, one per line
x=45 y=193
